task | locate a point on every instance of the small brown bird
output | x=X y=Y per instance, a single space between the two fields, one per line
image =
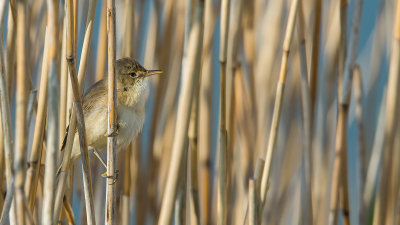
x=132 y=92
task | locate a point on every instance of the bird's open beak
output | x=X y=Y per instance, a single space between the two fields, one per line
x=153 y=72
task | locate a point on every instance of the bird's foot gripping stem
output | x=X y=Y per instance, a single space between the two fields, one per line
x=113 y=134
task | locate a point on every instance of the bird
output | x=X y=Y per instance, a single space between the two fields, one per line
x=132 y=90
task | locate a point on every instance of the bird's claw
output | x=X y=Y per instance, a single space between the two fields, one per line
x=113 y=134
x=115 y=177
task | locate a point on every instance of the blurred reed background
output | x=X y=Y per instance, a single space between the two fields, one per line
x=268 y=112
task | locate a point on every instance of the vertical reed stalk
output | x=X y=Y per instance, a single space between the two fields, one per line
x=63 y=84
x=21 y=103
x=252 y=203
x=75 y=117
x=6 y=127
x=79 y=115
x=222 y=156
x=52 y=131
x=191 y=73
x=392 y=111
x=112 y=116
x=5 y=107
x=37 y=145
x=278 y=100
x=340 y=179
x=307 y=217
x=362 y=154
x=205 y=114
x=102 y=44
x=313 y=77
x=126 y=192
x=193 y=148
x=129 y=40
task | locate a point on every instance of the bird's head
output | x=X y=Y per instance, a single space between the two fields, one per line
x=131 y=78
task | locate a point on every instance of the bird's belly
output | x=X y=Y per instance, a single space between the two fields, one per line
x=130 y=124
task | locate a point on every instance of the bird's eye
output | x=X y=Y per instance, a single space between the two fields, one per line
x=133 y=74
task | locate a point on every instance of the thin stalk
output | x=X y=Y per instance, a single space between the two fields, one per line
x=102 y=44
x=307 y=204
x=6 y=123
x=278 y=101
x=205 y=114
x=375 y=159
x=112 y=116
x=49 y=183
x=340 y=179
x=7 y=204
x=126 y=191
x=193 y=147
x=252 y=203
x=36 y=152
x=222 y=152
x=21 y=103
x=74 y=117
x=362 y=153
x=5 y=107
x=191 y=73
x=313 y=77
x=129 y=40
x=257 y=179
x=10 y=56
x=63 y=84
x=381 y=210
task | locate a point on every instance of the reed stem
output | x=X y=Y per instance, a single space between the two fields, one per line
x=191 y=80
x=112 y=117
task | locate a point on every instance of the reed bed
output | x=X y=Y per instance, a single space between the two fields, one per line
x=267 y=112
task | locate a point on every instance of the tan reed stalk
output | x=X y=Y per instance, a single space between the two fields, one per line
x=21 y=126
x=340 y=166
x=252 y=203
x=10 y=57
x=73 y=121
x=257 y=185
x=362 y=153
x=63 y=84
x=32 y=175
x=205 y=114
x=102 y=44
x=126 y=191
x=82 y=141
x=5 y=107
x=68 y=211
x=193 y=148
x=381 y=210
x=52 y=134
x=313 y=77
x=233 y=67
x=222 y=152
x=340 y=182
x=375 y=159
x=278 y=101
x=3 y=184
x=129 y=31
x=339 y=194
x=112 y=117
x=31 y=107
x=191 y=73
x=6 y=128
x=180 y=201
x=7 y=204
x=306 y=195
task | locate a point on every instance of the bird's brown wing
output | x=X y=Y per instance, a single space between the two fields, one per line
x=97 y=94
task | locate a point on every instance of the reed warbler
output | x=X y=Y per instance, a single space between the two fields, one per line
x=132 y=91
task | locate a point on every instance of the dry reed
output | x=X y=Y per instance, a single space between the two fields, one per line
x=194 y=161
